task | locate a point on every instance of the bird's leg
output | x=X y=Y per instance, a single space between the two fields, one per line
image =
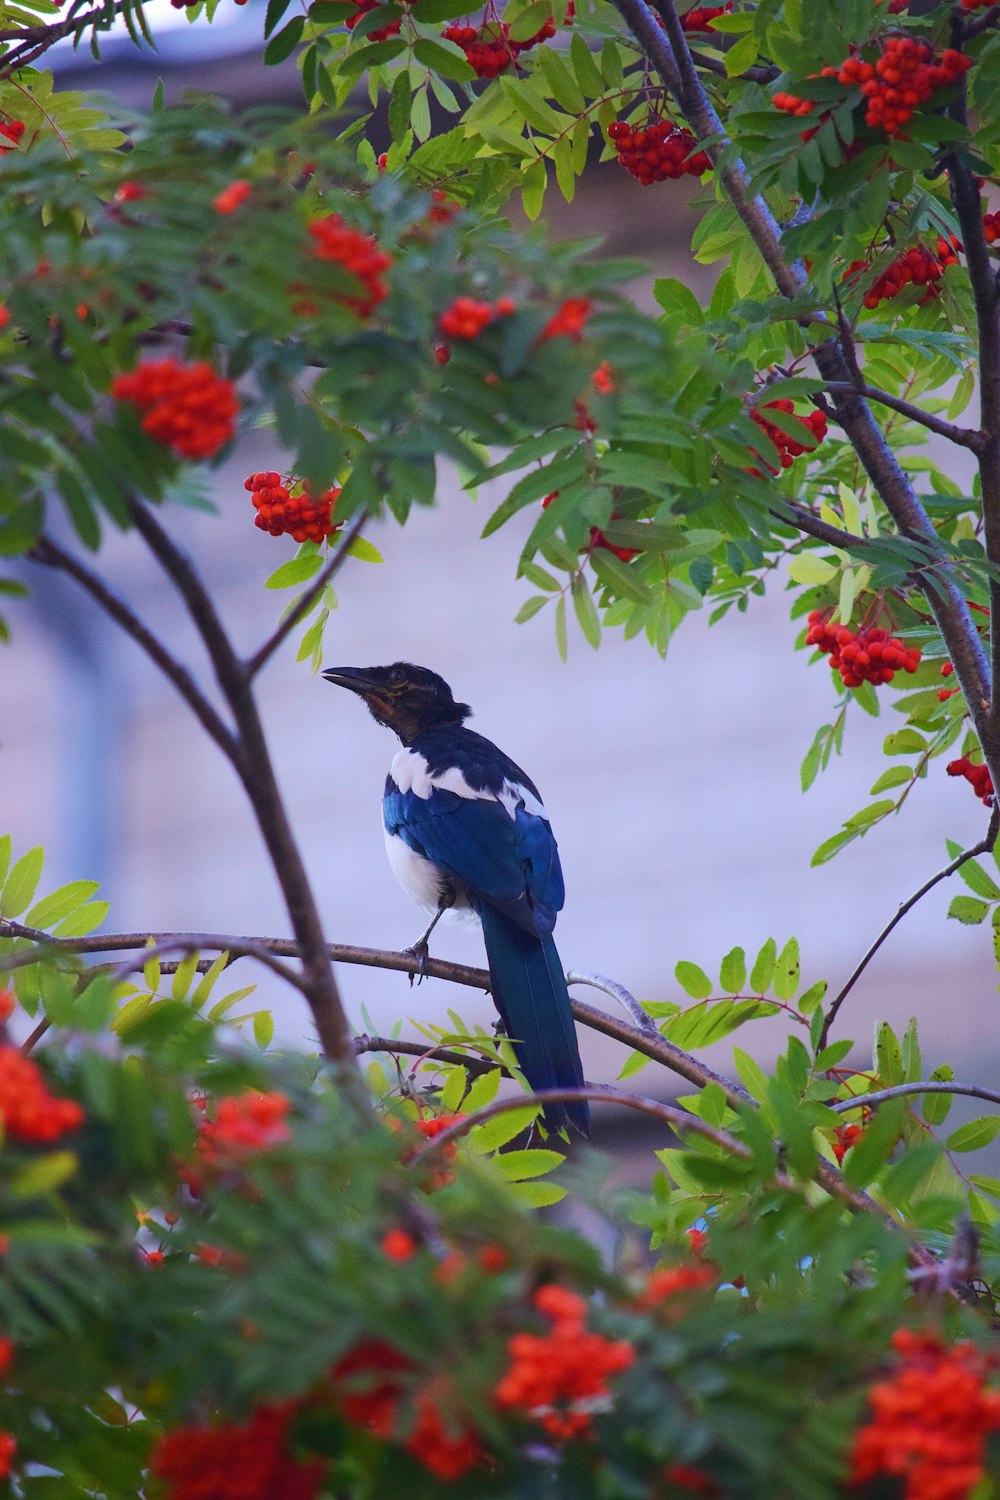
x=420 y=948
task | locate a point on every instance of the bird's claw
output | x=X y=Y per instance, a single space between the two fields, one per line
x=421 y=952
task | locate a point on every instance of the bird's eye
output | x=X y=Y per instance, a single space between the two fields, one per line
x=397 y=675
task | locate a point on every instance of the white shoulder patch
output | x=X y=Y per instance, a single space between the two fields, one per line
x=410 y=772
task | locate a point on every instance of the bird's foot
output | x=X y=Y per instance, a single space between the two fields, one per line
x=419 y=950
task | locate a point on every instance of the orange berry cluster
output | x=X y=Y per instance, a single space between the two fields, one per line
x=788 y=448
x=187 y=407
x=489 y=49
x=918 y=266
x=702 y=16
x=303 y=516
x=448 y=1451
x=931 y=1418
x=603 y=378
x=870 y=654
x=466 y=317
x=249 y=1461
x=978 y=777
x=657 y=152
x=570 y=320
x=597 y=537
x=28 y=1111
x=844 y=1137
x=357 y=253
x=667 y=1283
x=12 y=130
x=991 y=228
x=7 y=1003
x=556 y=1378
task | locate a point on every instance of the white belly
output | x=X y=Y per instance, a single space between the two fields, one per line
x=422 y=881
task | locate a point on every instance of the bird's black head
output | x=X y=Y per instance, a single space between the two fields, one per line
x=406 y=699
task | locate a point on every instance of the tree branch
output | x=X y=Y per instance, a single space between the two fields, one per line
x=965 y=437
x=899 y=1090
x=983 y=847
x=257 y=774
x=805 y=521
x=305 y=603
x=670 y=54
x=50 y=555
x=628 y=1002
x=36 y=40
x=473 y=1065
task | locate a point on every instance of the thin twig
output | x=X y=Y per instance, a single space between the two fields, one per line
x=717 y=65
x=983 y=847
x=185 y=945
x=394 y=1045
x=805 y=521
x=965 y=437
x=629 y=1004
x=51 y=555
x=305 y=603
x=928 y=1086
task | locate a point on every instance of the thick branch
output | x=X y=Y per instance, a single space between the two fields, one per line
x=260 y=783
x=305 y=603
x=965 y=437
x=672 y=58
x=983 y=847
x=52 y=556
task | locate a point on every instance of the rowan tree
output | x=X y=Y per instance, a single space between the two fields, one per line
x=229 y=1272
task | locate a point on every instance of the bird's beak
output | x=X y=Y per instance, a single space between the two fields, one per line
x=358 y=679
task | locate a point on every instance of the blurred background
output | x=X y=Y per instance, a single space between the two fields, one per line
x=673 y=786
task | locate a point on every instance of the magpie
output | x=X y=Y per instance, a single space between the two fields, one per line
x=468 y=838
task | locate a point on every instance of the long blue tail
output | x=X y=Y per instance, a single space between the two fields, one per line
x=529 y=991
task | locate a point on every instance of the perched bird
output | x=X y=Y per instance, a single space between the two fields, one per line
x=468 y=837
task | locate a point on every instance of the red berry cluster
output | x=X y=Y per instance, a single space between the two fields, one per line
x=903 y=78
x=657 y=152
x=187 y=407
x=466 y=317
x=381 y=33
x=559 y=1378
x=27 y=1110
x=12 y=130
x=978 y=777
x=931 y=1417
x=232 y=197
x=301 y=516
x=357 y=253
x=870 y=654
x=249 y=1461
x=991 y=228
x=244 y=1125
x=597 y=537
x=788 y=448
x=702 y=16
x=844 y=1137
x=570 y=320
x=918 y=266
x=8 y=1448
x=665 y=1284
x=489 y=49
x=603 y=378
x=975 y=4
x=438 y=1437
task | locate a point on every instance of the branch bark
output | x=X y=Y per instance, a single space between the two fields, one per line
x=257 y=775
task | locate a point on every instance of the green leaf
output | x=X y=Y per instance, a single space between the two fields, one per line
x=285 y=42
x=976 y=879
x=974 y=1134
x=445 y=58
x=693 y=980
x=184 y=975
x=562 y=645
x=515 y=1166
x=537 y=1194
x=894 y=776
x=44 y=1175
x=60 y=903
x=809 y=569
x=968 y=909
x=904 y=742
x=733 y=971
x=297 y=570
x=263 y=1028
x=936 y=1107
x=586 y=611
x=530 y=608
x=6 y=849
x=495 y=1133
x=741 y=55
x=752 y=1075
x=786 y=974
x=763 y=967
x=482 y=1091
x=82 y=921
x=364 y=551
x=21 y=883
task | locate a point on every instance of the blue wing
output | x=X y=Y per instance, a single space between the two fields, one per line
x=512 y=863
